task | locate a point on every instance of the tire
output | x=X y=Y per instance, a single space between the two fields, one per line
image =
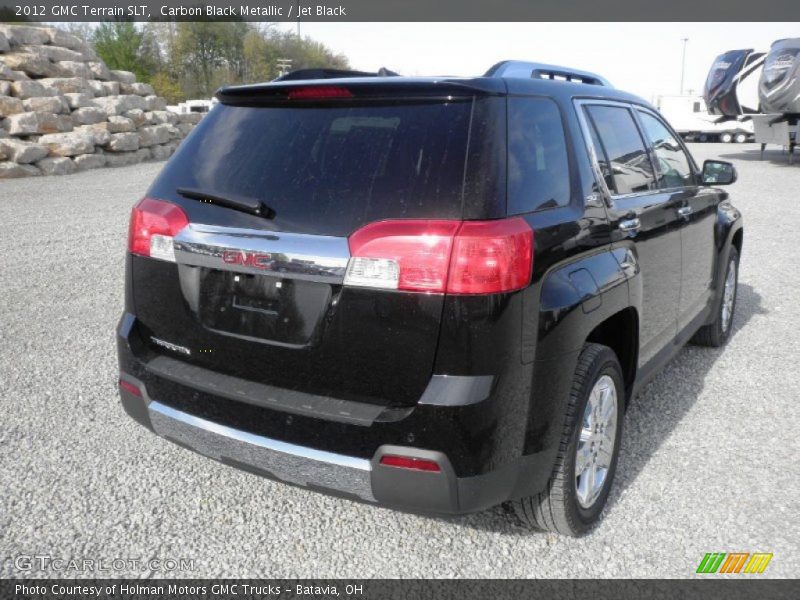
x=740 y=138
x=717 y=333
x=561 y=508
x=702 y=138
x=726 y=138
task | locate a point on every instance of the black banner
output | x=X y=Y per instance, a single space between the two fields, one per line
x=381 y=589
x=399 y=10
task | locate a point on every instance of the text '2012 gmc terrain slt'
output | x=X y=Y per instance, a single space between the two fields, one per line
x=433 y=294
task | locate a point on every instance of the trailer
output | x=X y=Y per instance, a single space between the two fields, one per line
x=779 y=87
x=759 y=88
x=691 y=119
x=778 y=129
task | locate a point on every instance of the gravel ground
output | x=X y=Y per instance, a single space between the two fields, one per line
x=709 y=461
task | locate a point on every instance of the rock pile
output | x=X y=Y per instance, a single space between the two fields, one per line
x=62 y=110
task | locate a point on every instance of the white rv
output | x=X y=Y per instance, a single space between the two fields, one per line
x=689 y=116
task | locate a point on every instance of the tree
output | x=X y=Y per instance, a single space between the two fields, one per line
x=81 y=29
x=210 y=50
x=304 y=52
x=192 y=59
x=257 y=54
x=168 y=87
x=122 y=45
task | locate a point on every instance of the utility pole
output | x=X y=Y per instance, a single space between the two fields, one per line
x=683 y=62
x=284 y=64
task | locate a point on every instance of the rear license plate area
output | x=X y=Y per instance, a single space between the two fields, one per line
x=260 y=306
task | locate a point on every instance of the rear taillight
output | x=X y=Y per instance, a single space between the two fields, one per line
x=153 y=225
x=402 y=255
x=491 y=257
x=454 y=257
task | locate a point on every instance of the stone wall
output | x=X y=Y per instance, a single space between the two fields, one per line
x=62 y=110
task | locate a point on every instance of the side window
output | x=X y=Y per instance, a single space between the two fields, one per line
x=672 y=164
x=625 y=153
x=538 y=167
x=602 y=158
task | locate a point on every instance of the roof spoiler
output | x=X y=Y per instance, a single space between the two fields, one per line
x=301 y=74
x=530 y=70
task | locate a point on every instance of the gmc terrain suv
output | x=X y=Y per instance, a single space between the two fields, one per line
x=434 y=294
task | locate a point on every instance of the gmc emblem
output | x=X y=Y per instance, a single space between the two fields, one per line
x=256 y=260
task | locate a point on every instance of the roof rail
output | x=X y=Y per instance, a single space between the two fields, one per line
x=332 y=74
x=531 y=70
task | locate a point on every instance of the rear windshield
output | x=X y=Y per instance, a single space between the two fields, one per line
x=329 y=170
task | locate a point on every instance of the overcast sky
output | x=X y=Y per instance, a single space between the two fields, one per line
x=643 y=58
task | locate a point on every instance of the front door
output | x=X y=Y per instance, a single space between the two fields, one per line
x=697 y=211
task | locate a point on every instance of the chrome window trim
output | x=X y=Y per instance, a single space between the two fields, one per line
x=289 y=255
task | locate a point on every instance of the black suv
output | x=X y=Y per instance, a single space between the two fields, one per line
x=435 y=294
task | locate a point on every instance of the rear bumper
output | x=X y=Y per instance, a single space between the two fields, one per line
x=326 y=459
x=342 y=475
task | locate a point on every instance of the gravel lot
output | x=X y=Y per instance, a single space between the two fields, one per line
x=709 y=460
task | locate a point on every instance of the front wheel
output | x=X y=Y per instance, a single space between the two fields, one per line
x=717 y=333
x=587 y=456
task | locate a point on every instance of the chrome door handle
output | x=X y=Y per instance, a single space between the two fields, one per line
x=685 y=211
x=630 y=225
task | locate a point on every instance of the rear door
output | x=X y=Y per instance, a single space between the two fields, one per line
x=676 y=174
x=640 y=214
x=262 y=298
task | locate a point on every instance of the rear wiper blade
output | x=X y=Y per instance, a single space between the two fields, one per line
x=242 y=203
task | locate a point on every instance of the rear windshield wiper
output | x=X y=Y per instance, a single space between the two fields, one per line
x=242 y=203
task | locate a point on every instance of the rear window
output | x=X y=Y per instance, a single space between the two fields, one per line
x=538 y=168
x=331 y=169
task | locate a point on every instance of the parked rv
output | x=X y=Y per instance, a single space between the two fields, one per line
x=772 y=106
x=779 y=88
x=690 y=117
x=731 y=88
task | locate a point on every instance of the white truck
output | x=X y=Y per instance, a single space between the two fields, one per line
x=192 y=106
x=690 y=118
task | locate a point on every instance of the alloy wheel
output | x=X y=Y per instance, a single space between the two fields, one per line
x=728 y=296
x=596 y=442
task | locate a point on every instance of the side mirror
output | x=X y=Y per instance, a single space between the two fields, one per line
x=718 y=172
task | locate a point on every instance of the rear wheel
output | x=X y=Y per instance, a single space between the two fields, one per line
x=726 y=138
x=718 y=332
x=587 y=457
x=740 y=138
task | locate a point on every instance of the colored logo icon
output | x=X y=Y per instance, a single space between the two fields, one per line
x=734 y=562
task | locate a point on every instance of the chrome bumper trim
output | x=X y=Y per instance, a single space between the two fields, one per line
x=292 y=463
